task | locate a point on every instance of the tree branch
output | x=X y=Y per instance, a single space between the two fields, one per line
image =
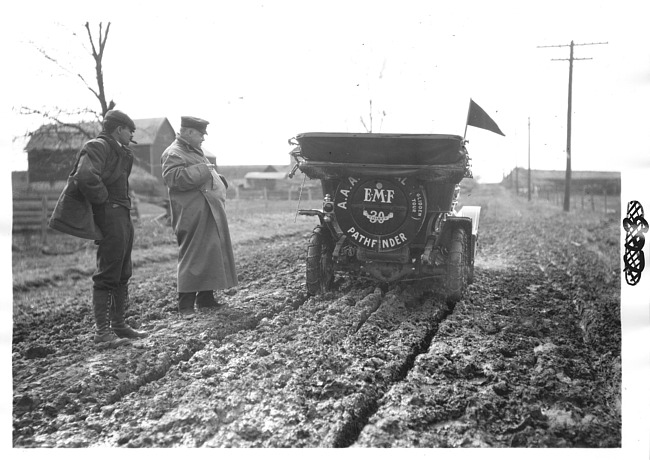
x=90 y=39
x=103 y=42
x=90 y=88
x=100 y=94
x=50 y=58
x=55 y=117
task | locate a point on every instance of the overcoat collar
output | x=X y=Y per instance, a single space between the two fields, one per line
x=187 y=145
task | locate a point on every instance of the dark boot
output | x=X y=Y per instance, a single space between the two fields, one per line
x=205 y=299
x=104 y=336
x=186 y=304
x=119 y=326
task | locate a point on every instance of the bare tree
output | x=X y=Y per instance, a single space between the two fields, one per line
x=58 y=115
x=70 y=126
x=98 y=54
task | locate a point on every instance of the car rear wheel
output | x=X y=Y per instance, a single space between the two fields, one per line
x=457 y=272
x=470 y=262
x=320 y=268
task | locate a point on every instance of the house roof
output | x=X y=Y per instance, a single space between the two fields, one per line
x=57 y=137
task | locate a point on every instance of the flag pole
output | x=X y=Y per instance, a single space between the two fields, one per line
x=467 y=121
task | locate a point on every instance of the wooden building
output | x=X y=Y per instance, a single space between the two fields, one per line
x=52 y=149
x=598 y=182
x=267 y=179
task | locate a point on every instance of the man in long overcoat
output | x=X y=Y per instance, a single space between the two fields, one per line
x=197 y=194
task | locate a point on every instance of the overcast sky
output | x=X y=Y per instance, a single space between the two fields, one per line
x=262 y=72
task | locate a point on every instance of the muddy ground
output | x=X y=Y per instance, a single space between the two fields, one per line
x=529 y=358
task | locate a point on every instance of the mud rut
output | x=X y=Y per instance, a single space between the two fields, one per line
x=364 y=366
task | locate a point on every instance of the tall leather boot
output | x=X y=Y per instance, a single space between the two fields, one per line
x=186 y=304
x=206 y=299
x=104 y=336
x=119 y=326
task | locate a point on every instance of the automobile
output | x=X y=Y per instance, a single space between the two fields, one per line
x=389 y=209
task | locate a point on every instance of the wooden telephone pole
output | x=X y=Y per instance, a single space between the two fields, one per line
x=567 y=181
x=529 y=196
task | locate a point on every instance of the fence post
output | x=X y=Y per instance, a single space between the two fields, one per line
x=593 y=207
x=605 y=201
x=44 y=220
x=266 y=198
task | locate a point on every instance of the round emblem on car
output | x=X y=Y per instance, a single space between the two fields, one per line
x=380 y=214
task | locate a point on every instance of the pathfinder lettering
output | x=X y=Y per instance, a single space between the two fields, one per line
x=361 y=239
x=394 y=241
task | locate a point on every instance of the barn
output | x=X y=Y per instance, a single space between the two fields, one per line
x=153 y=136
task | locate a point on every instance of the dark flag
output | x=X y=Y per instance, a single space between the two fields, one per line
x=476 y=116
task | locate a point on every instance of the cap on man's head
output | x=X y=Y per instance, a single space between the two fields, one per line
x=196 y=123
x=119 y=117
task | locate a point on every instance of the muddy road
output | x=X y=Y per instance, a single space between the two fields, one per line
x=530 y=357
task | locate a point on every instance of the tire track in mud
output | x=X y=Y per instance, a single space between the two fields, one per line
x=220 y=324
x=510 y=367
x=73 y=380
x=432 y=406
x=352 y=428
x=308 y=376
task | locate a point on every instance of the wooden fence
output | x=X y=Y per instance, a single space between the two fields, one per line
x=289 y=194
x=32 y=209
x=582 y=199
x=31 y=213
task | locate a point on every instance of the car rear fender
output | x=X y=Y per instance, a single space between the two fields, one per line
x=474 y=213
x=466 y=223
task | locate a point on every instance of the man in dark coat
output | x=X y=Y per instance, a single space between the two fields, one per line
x=197 y=194
x=103 y=177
